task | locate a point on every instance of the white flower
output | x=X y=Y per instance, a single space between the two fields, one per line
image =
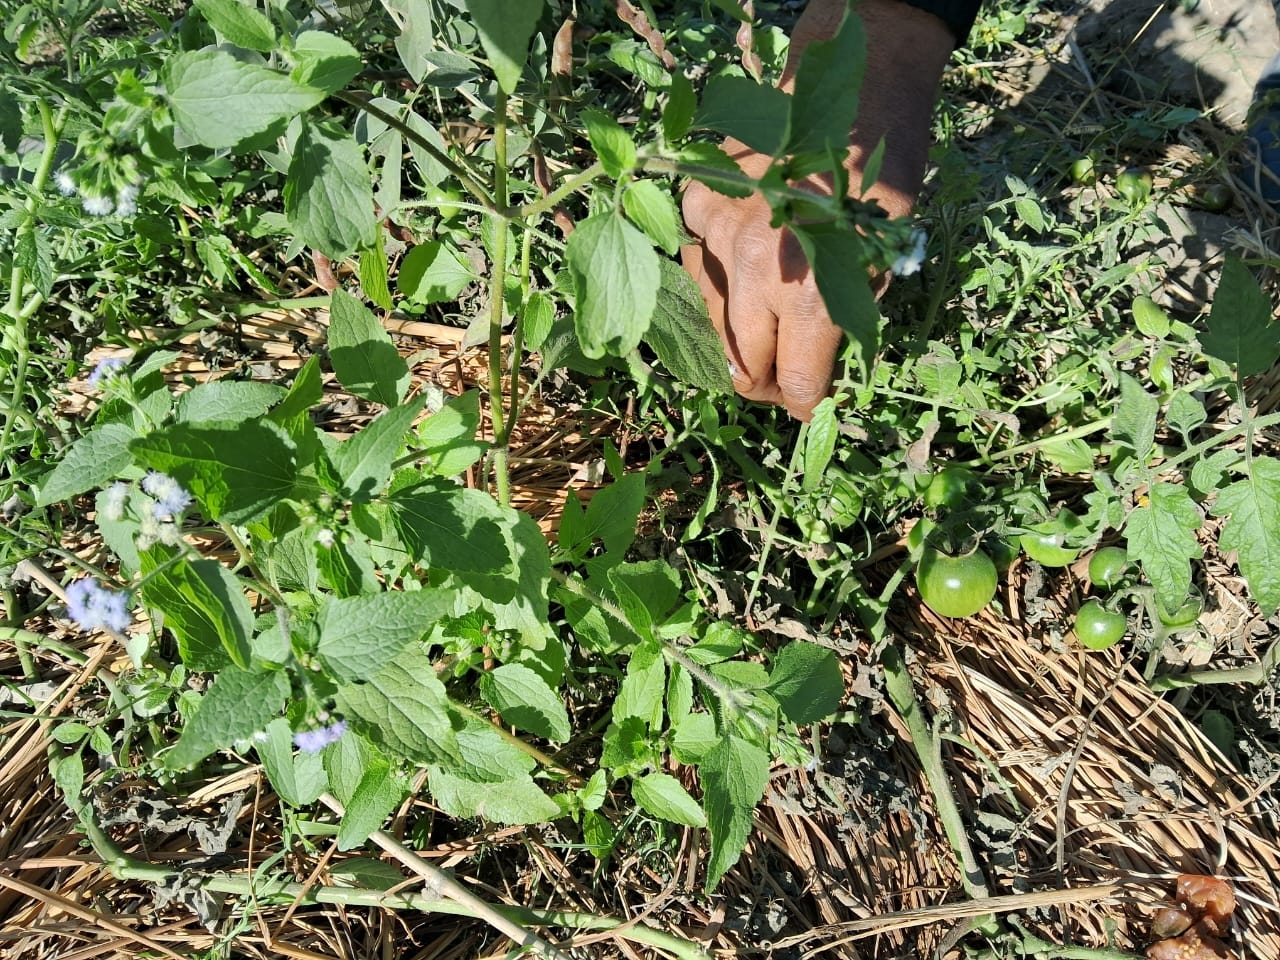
x=97 y=206
x=127 y=200
x=910 y=262
x=66 y=186
x=113 y=501
x=325 y=537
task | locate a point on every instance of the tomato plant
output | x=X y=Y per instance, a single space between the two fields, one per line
x=1048 y=548
x=1099 y=628
x=956 y=586
x=1084 y=171
x=949 y=488
x=1184 y=616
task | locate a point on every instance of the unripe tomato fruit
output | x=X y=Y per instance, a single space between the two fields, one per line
x=1107 y=567
x=1099 y=628
x=1214 y=197
x=956 y=586
x=949 y=488
x=1184 y=616
x=1134 y=185
x=1084 y=171
x=1047 y=549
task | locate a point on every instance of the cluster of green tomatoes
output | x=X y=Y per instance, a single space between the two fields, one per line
x=962 y=583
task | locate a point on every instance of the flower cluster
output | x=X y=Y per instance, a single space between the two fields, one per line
x=107 y=369
x=95 y=607
x=313 y=741
x=170 y=498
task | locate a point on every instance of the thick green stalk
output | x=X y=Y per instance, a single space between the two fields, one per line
x=15 y=313
x=497 y=288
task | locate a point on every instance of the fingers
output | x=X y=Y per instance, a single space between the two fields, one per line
x=807 y=345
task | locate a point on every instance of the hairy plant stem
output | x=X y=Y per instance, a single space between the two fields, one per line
x=928 y=748
x=771 y=533
x=497 y=289
x=15 y=335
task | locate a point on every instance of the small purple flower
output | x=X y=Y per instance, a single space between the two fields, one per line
x=313 y=741
x=170 y=498
x=107 y=368
x=94 y=607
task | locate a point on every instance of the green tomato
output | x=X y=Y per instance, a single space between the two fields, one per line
x=956 y=586
x=949 y=488
x=1048 y=549
x=1134 y=185
x=1107 y=567
x=1214 y=197
x=1099 y=628
x=1084 y=171
x=1184 y=616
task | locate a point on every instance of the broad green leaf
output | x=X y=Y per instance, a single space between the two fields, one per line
x=627 y=748
x=755 y=113
x=1134 y=420
x=1209 y=473
x=598 y=834
x=417 y=34
x=378 y=793
x=641 y=693
x=1162 y=535
x=807 y=682
x=328 y=194
x=32 y=253
x=682 y=335
x=839 y=269
x=239 y=23
x=324 y=61
x=451 y=529
x=220 y=101
x=709 y=164
x=505 y=30
x=1149 y=318
x=611 y=142
x=1240 y=329
x=595 y=791
x=1185 y=414
x=677 y=113
x=361 y=635
x=432 y=273
x=239 y=704
x=227 y=400
x=364 y=461
x=694 y=738
x=1252 y=507
x=819 y=443
x=90 y=462
x=364 y=358
x=346 y=566
x=539 y=316
x=508 y=801
x=372 y=268
x=204 y=607
x=488 y=757
x=306 y=390
x=610 y=516
x=824 y=101
x=298 y=778
x=734 y=774
x=524 y=700
x=347 y=761
x=236 y=470
x=67 y=770
x=719 y=642
x=616 y=278
x=403 y=708
x=679 y=694
x=646 y=591
x=663 y=796
x=448 y=436
x=651 y=208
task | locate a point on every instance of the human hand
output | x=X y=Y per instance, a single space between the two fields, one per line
x=778 y=337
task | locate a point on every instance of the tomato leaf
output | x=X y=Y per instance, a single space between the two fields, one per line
x=1134 y=420
x=1252 y=507
x=1240 y=329
x=1162 y=535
